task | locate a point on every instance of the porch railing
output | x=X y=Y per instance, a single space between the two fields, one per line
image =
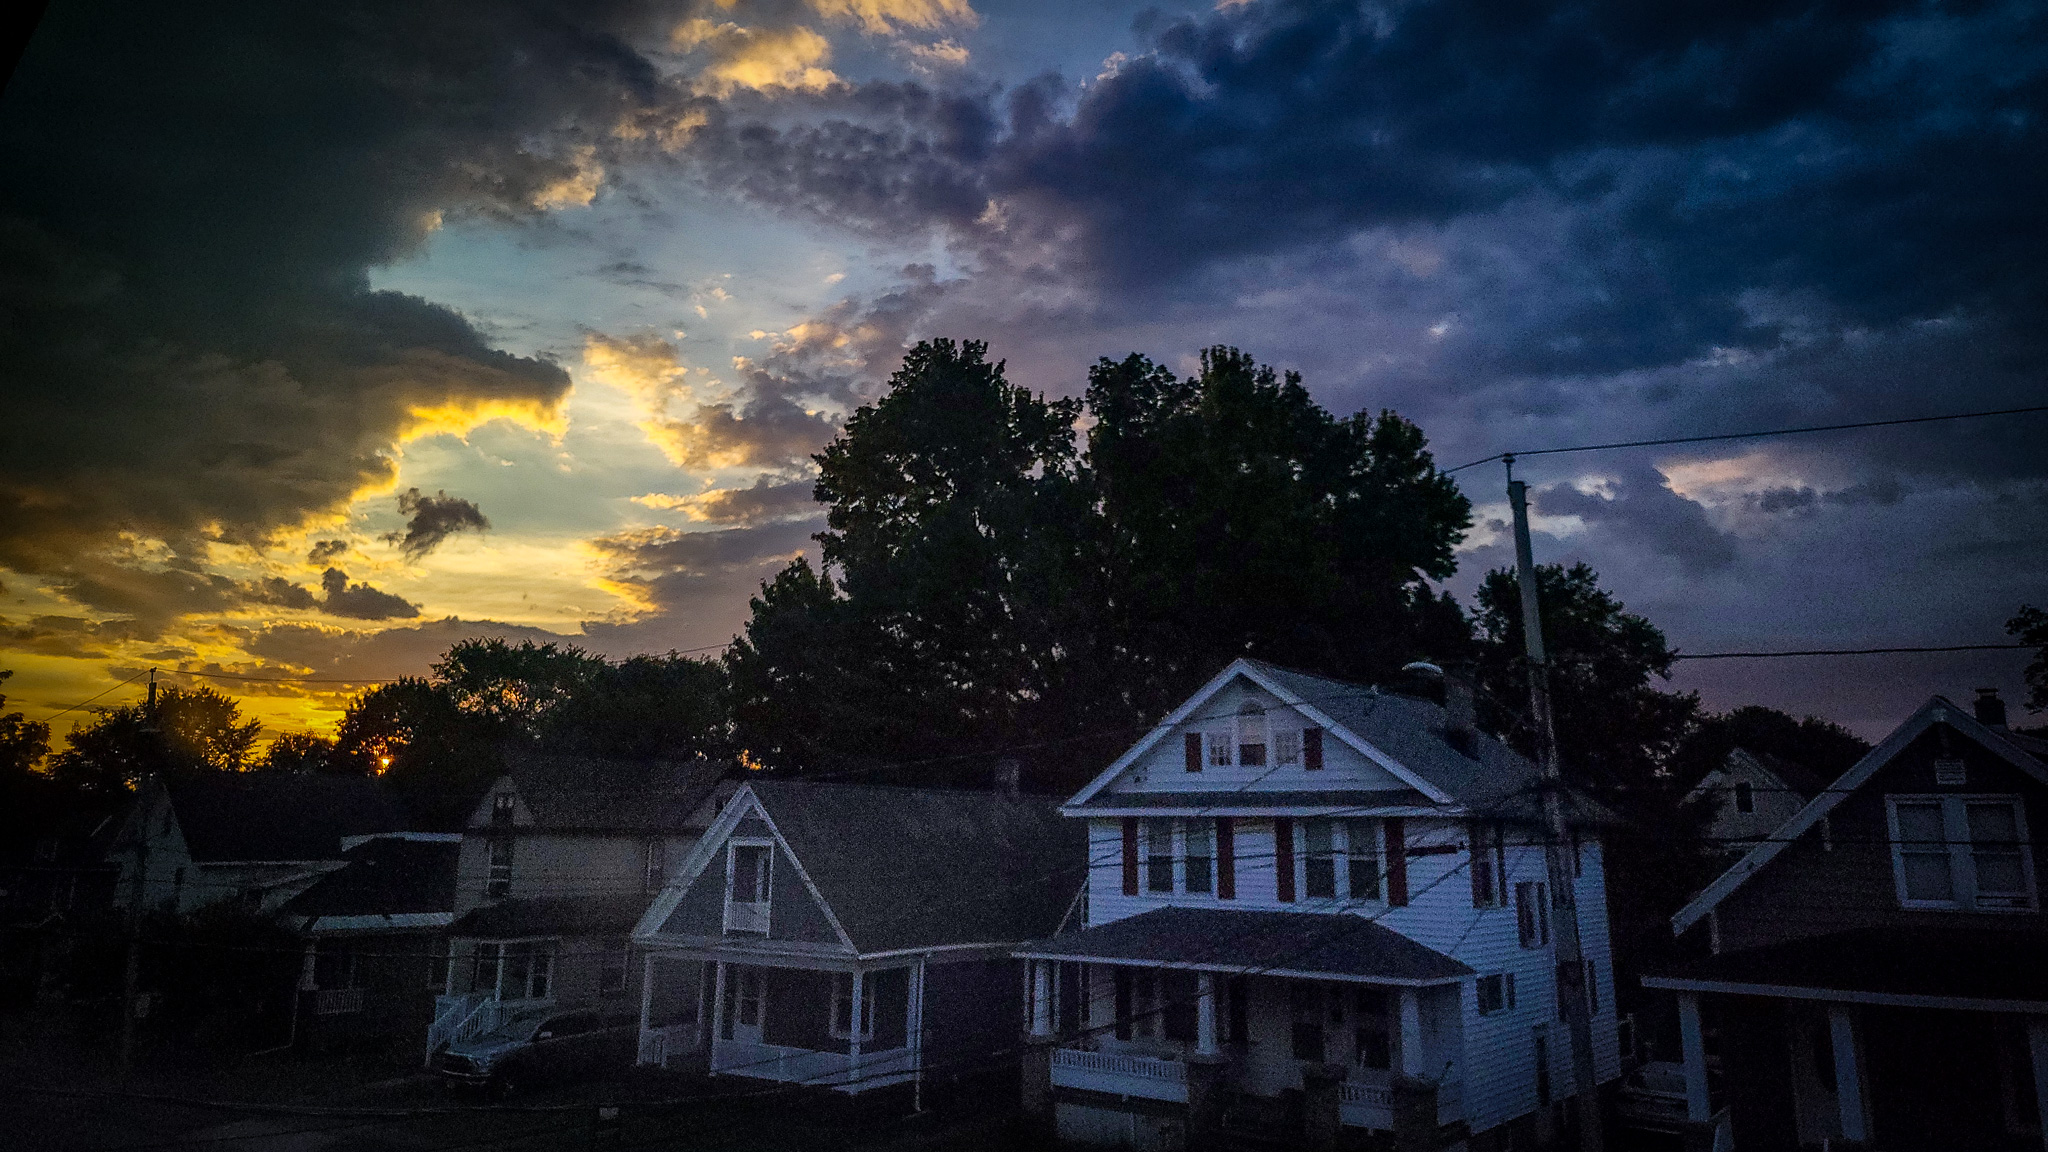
x=1366 y=1106
x=450 y=1012
x=807 y=1066
x=337 y=1001
x=1121 y=1074
x=664 y=1042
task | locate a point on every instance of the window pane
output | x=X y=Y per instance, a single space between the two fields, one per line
x=1927 y=876
x=1920 y=824
x=1219 y=748
x=1251 y=735
x=1198 y=873
x=1287 y=746
x=1999 y=874
x=1316 y=835
x=1994 y=824
x=1320 y=877
x=1199 y=835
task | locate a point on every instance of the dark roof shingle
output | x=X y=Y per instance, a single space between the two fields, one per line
x=388 y=876
x=603 y=914
x=278 y=815
x=1954 y=961
x=913 y=867
x=1244 y=941
x=592 y=793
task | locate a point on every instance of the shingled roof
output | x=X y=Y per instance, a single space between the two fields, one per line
x=920 y=867
x=592 y=793
x=275 y=816
x=385 y=876
x=1241 y=941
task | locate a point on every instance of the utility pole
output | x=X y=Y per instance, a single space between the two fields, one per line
x=137 y=884
x=1557 y=855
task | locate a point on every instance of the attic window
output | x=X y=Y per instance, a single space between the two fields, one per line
x=1251 y=735
x=1950 y=773
x=749 y=875
x=1745 y=796
x=501 y=807
x=1219 y=749
x=1287 y=746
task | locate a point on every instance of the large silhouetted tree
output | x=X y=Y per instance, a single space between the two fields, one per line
x=190 y=730
x=988 y=588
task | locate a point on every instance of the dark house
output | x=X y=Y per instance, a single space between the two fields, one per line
x=854 y=936
x=1878 y=967
x=375 y=938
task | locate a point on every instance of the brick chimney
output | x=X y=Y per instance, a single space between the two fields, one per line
x=1461 y=718
x=1990 y=709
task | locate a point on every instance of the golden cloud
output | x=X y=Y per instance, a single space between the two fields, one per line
x=758 y=58
x=882 y=17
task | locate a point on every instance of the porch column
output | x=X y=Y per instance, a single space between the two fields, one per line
x=913 y=1034
x=1041 y=997
x=2037 y=1046
x=717 y=1010
x=1694 y=1048
x=1411 y=1033
x=646 y=1001
x=307 y=983
x=853 y=1045
x=1205 y=1013
x=1848 y=1076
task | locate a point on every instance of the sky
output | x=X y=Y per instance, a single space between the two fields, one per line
x=332 y=334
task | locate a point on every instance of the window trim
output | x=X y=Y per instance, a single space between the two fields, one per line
x=1532 y=914
x=1149 y=841
x=764 y=904
x=498 y=874
x=622 y=952
x=1375 y=830
x=1962 y=857
x=842 y=992
x=1504 y=995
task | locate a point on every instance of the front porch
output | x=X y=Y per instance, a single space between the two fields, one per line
x=1169 y=1029
x=829 y=1023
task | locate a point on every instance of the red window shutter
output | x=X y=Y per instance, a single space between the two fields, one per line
x=1283 y=857
x=1191 y=748
x=1397 y=863
x=1226 y=859
x=1312 y=749
x=1130 y=855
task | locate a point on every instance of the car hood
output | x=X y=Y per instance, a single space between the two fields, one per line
x=487 y=1049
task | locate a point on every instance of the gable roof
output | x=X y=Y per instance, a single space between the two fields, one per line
x=1405 y=735
x=590 y=793
x=1793 y=775
x=1937 y=710
x=385 y=876
x=905 y=868
x=277 y=816
x=593 y=914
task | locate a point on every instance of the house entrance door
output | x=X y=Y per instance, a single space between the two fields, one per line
x=745 y=1003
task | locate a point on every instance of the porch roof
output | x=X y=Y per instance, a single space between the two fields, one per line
x=1956 y=967
x=1322 y=945
x=610 y=914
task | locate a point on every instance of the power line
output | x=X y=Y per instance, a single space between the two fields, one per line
x=1750 y=435
x=83 y=703
x=1847 y=651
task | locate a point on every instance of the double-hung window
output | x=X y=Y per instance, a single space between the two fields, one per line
x=499 y=884
x=1159 y=856
x=1219 y=748
x=842 y=1008
x=749 y=885
x=1363 y=859
x=1287 y=746
x=1199 y=836
x=1496 y=993
x=1489 y=864
x=1251 y=735
x=1319 y=859
x=1532 y=913
x=1961 y=852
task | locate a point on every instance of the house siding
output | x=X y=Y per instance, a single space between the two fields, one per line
x=1844 y=880
x=1493 y=1052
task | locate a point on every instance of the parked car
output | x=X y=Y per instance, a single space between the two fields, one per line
x=1652 y=1098
x=536 y=1046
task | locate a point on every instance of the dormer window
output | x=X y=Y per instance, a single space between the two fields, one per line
x=1219 y=749
x=748 y=876
x=1251 y=735
x=1287 y=746
x=1745 y=796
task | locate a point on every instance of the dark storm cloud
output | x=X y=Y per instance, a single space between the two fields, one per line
x=1641 y=508
x=324 y=550
x=1884 y=156
x=695 y=583
x=360 y=601
x=192 y=199
x=433 y=519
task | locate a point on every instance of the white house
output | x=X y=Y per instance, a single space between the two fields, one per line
x=1303 y=885
x=1753 y=794
x=855 y=937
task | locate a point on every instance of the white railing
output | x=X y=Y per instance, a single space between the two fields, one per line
x=805 y=1066
x=1366 y=1106
x=661 y=1043
x=1121 y=1074
x=450 y=1013
x=337 y=1001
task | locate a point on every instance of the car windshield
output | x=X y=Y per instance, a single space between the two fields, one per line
x=519 y=1026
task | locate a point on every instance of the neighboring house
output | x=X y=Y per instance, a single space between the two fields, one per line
x=1753 y=794
x=375 y=939
x=1879 y=964
x=559 y=859
x=250 y=840
x=855 y=936
x=1312 y=902
x=48 y=886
